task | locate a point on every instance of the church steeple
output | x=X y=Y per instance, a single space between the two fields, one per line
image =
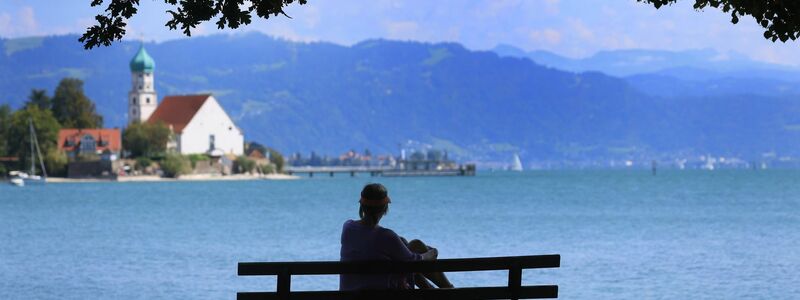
x=142 y=99
x=142 y=62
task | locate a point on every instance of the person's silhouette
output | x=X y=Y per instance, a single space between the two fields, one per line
x=365 y=240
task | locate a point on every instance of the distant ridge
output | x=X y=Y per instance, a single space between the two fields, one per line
x=478 y=105
x=629 y=62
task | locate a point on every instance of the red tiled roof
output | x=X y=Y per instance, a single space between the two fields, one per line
x=69 y=139
x=256 y=154
x=178 y=111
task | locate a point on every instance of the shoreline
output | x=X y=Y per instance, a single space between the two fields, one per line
x=190 y=177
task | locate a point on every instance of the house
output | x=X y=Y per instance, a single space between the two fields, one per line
x=198 y=122
x=92 y=153
x=102 y=142
x=199 y=125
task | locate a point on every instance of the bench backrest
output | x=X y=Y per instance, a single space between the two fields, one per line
x=514 y=290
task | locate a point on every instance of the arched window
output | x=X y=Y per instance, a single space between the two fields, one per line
x=133 y=100
x=133 y=112
x=88 y=144
x=148 y=100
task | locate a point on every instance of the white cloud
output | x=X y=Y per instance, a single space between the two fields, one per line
x=28 y=19
x=312 y=16
x=402 y=30
x=5 y=25
x=581 y=29
x=548 y=36
x=285 y=31
x=574 y=28
x=497 y=7
x=552 y=6
x=23 y=23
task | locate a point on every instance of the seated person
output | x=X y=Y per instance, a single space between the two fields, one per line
x=365 y=240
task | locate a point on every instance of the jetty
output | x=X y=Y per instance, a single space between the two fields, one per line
x=403 y=170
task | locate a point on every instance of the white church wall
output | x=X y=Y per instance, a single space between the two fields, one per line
x=211 y=119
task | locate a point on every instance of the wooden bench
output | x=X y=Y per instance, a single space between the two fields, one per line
x=514 y=290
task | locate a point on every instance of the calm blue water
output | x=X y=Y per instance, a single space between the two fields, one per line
x=621 y=234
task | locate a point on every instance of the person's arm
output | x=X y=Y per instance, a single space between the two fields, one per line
x=394 y=247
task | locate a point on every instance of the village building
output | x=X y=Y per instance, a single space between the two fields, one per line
x=198 y=122
x=101 y=142
x=92 y=152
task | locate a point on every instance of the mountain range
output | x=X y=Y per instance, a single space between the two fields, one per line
x=686 y=73
x=478 y=105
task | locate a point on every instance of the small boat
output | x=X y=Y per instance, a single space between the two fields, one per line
x=20 y=178
x=516 y=164
x=17 y=181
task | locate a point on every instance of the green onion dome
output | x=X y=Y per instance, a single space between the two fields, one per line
x=142 y=62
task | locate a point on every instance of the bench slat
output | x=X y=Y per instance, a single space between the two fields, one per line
x=367 y=267
x=525 y=292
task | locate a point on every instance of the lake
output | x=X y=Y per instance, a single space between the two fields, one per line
x=622 y=234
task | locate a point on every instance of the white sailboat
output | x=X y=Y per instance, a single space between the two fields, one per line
x=516 y=165
x=20 y=178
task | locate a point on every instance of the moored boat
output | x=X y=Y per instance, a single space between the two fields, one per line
x=20 y=178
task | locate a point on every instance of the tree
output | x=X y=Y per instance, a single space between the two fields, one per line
x=72 y=108
x=242 y=165
x=19 y=137
x=5 y=123
x=268 y=169
x=174 y=165
x=780 y=18
x=275 y=157
x=142 y=163
x=56 y=162
x=187 y=15
x=40 y=99
x=146 y=139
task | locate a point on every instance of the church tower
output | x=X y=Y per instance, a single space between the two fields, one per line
x=142 y=99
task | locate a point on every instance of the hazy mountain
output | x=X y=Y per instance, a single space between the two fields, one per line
x=681 y=64
x=691 y=73
x=377 y=94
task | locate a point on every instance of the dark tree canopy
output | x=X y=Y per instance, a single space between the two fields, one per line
x=5 y=124
x=780 y=18
x=46 y=127
x=39 y=98
x=72 y=108
x=146 y=139
x=187 y=14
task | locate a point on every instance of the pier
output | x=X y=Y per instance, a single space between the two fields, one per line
x=331 y=170
x=385 y=171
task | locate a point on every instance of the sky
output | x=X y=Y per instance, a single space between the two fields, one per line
x=573 y=28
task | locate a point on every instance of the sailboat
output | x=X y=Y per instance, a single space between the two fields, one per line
x=516 y=165
x=20 y=178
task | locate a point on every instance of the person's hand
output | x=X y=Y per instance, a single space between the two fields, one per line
x=433 y=253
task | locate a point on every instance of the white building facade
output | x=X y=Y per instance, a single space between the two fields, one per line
x=200 y=125
x=210 y=130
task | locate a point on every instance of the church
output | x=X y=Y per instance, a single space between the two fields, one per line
x=198 y=122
